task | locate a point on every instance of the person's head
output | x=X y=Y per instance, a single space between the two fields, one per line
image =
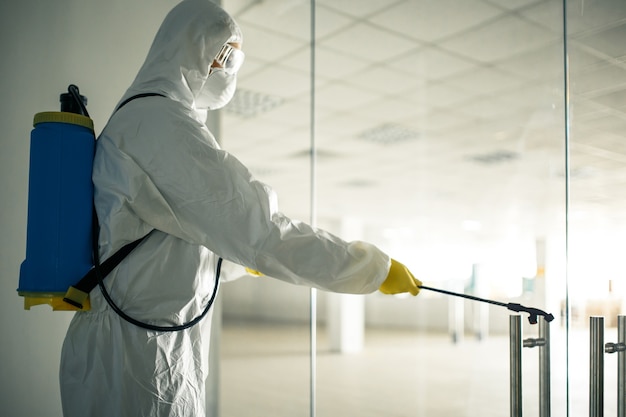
x=194 y=56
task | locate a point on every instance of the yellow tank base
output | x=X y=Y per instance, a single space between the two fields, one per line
x=54 y=300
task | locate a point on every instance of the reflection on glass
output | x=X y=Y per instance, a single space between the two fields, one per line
x=440 y=136
x=265 y=335
x=450 y=138
x=597 y=161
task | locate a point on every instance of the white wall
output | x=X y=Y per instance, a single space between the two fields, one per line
x=46 y=45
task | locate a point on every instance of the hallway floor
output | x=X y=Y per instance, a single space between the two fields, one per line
x=265 y=372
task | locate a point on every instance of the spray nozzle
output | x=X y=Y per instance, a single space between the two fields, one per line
x=533 y=312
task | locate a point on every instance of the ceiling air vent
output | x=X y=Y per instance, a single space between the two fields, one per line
x=388 y=134
x=247 y=104
x=496 y=157
x=319 y=153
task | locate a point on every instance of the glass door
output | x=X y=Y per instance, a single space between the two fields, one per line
x=480 y=143
x=265 y=340
x=441 y=138
x=597 y=222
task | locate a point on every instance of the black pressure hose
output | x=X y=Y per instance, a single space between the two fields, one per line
x=533 y=312
x=123 y=315
x=75 y=93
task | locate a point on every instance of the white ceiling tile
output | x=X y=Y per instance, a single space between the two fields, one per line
x=268 y=46
x=251 y=66
x=288 y=19
x=582 y=58
x=496 y=84
x=582 y=16
x=612 y=123
x=437 y=120
x=430 y=63
x=342 y=97
x=288 y=114
x=604 y=140
x=586 y=108
x=368 y=42
x=545 y=62
x=429 y=21
x=512 y=4
x=610 y=42
x=437 y=95
x=537 y=96
x=383 y=80
x=237 y=7
x=293 y=19
x=358 y=9
x=340 y=129
x=599 y=81
x=278 y=81
x=328 y=63
x=613 y=99
x=487 y=107
x=484 y=81
x=239 y=133
x=500 y=39
x=391 y=109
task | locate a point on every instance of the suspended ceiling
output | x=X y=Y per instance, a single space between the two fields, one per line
x=448 y=114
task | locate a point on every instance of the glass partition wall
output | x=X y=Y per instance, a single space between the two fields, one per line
x=456 y=137
x=597 y=223
x=451 y=145
x=265 y=342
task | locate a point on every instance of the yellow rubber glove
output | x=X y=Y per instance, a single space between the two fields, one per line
x=400 y=280
x=253 y=272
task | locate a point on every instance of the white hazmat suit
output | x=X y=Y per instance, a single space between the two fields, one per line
x=157 y=167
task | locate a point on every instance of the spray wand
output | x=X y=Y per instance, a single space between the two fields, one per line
x=533 y=312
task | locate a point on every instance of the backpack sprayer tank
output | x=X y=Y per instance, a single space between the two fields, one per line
x=60 y=203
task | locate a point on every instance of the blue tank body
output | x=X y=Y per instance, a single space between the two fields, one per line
x=60 y=204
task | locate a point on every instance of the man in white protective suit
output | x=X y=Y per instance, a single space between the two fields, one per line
x=159 y=170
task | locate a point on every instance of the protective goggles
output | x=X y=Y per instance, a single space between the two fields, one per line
x=230 y=59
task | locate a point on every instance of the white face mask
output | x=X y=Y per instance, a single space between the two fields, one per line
x=217 y=91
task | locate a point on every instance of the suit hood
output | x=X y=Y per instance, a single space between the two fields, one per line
x=177 y=64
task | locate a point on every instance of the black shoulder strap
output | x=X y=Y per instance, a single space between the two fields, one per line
x=78 y=293
x=129 y=99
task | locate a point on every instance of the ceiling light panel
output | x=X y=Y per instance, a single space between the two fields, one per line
x=389 y=134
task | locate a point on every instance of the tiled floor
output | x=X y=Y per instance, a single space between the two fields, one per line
x=265 y=372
